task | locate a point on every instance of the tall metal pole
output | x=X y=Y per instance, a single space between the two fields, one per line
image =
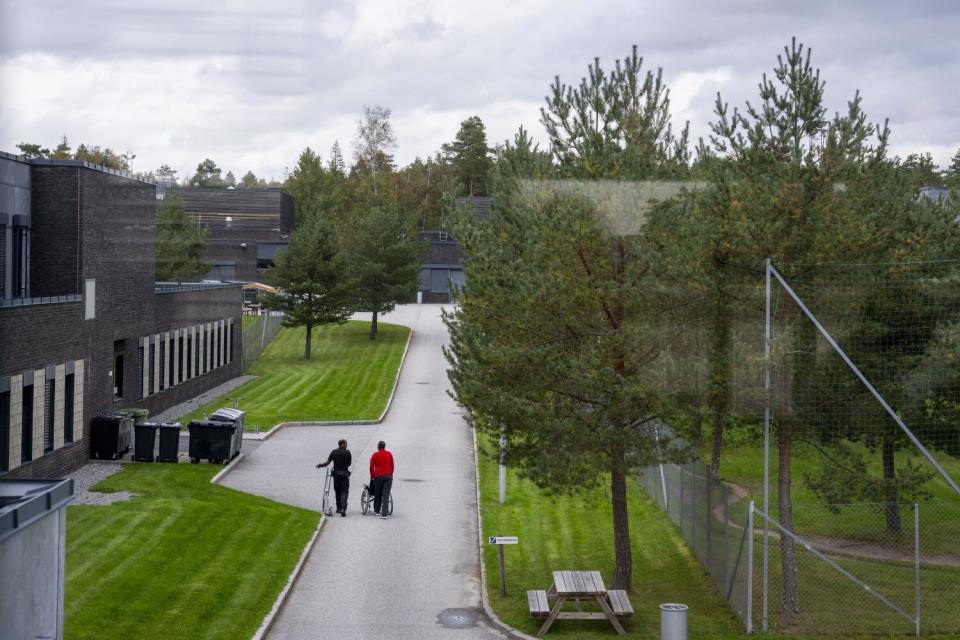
x=750 y=569
x=916 y=561
x=503 y=466
x=766 y=444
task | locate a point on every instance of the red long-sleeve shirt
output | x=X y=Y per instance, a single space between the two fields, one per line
x=381 y=463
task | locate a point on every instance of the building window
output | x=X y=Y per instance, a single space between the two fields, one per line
x=153 y=355
x=26 y=425
x=140 y=372
x=49 y=387
x=68 y=407
x=206 y=347
x=4 y=430
x=190 y=369
x=3 y=261
x=163 y=361
x=20 y=282
x=217 y=359
x=230 y=341
x=173 y=361
x=118 y=349
x=180 y=359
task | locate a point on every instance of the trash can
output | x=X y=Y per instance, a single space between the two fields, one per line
x=169 y=442
x=235 y=417
x=33 y=521
x=673 y=621
x=139 y=417
x=212 y=440
x=110 y=434
x=144 y=441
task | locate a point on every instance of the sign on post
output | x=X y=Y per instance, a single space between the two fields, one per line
x=500 y=541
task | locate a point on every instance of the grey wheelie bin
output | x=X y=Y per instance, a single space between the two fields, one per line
x=212 y=440
x=169 y=450
x=234 y=417
x=144 y=441
x=110 y=434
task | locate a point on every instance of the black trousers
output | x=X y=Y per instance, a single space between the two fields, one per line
x=381 y=493
x=341 y=487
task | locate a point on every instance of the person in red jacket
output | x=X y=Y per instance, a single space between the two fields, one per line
x=381 y=479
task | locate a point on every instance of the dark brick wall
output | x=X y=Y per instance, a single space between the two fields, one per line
x=55 y=250
x=55 y=464
x=181 y=309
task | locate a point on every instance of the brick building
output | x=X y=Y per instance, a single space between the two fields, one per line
x=245 y=228
x=83 y=326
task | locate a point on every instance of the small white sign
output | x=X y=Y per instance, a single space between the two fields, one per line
x=503 y=540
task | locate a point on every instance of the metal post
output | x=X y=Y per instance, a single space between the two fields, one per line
x=707 y=522
x=663 y=479
x=503 y=571
x=766 y=447
x=750 y=569
x=503 y=466
x=693 y=507
x=916 y=560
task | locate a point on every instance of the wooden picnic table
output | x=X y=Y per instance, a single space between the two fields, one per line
x=578 y=586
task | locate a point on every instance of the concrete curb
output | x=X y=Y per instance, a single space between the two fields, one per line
x=341 y=423
x=291 y=580
x=227 y=469
x=488 y=613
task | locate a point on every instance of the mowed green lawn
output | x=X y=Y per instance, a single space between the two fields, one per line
x=249 y=321
x=349 y=376
x=560 y=532
x=184 y=559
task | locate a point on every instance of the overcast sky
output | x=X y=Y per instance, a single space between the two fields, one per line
x=252 y=83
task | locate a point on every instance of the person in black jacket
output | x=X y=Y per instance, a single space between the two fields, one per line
x=341 y=459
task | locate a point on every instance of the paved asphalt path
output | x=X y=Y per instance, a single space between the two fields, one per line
x=415 y=575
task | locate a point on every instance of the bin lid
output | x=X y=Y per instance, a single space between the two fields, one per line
x=218 y=424
x=673 y=606
x=227 y=414
x=170 y=425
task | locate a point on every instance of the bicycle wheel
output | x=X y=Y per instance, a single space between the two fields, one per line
x=390 y=506
x=364 y=501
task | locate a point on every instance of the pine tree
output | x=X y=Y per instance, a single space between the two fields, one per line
x=207 y=175
x=385 y=262
x=180 y=243
x=470 y=157
x=336 y=165
x=230 y=180
x=952 y=174
x=314 y=280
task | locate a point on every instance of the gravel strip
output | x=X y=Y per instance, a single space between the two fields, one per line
x=89 y=475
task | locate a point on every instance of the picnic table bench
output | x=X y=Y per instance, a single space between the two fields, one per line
x=579 y=586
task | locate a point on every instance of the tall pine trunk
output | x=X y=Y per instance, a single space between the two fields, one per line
x=623 y=571
x=721 y=345
x=373 y=326
x=788 y=552
x=306 y=347
x=890 y=509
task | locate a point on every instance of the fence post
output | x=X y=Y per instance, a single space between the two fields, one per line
x=767 y=336
x=750 y=569
x=916 y=556
x=693 y=507
x=682 y=500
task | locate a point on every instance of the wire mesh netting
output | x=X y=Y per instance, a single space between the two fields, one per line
x=864 y=451
x=865 y=423
x=257 y=336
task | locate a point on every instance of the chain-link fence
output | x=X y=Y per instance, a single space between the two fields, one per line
x=712 y=520
x=258 y=335
x=843 y=421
